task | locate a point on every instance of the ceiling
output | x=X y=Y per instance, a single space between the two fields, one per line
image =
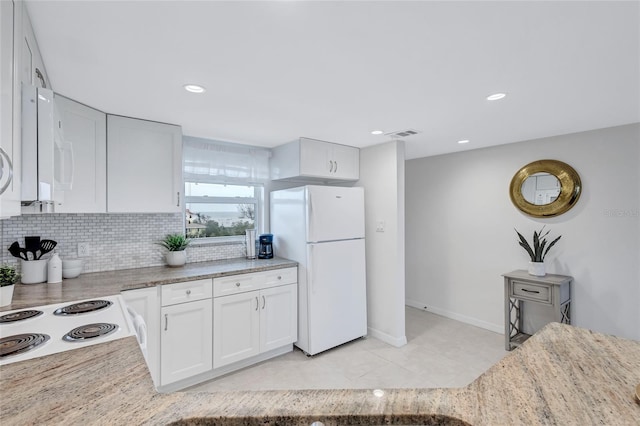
x=277 y=70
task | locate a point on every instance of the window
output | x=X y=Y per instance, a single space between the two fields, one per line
x=224 y=187
x=221 y=210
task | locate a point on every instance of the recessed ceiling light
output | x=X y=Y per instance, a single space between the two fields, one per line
x=464 y=141
x=377 y=132
x=496 y=96
x=194 y=88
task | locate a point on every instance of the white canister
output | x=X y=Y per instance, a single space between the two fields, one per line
x=33 y=271
x=54 y=269
x=250 y=242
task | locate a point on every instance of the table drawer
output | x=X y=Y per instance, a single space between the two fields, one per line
x=187 y=291
x=234 y=284
x=529 y=291
x=278 y=277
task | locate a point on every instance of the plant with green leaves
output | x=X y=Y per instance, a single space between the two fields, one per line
x=538 y=252
x=8 y=275
x=175 y=242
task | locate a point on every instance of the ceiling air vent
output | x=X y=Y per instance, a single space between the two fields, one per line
x=403 y=133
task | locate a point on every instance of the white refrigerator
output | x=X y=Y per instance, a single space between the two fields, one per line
x=322 y=228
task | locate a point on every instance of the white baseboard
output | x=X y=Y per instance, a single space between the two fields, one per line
x=387 y=338
x=497 y=328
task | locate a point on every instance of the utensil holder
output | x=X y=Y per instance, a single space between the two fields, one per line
x=34 y=271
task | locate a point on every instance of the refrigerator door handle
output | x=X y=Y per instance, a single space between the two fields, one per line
x=311 y=268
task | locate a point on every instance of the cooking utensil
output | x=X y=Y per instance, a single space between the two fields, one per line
x=32 y=244
x=17 y=251
x=46 y=246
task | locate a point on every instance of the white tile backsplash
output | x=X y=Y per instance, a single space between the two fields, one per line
x=116 y=241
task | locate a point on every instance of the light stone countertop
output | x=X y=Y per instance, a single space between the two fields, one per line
x=100 y=284
x=563 y=375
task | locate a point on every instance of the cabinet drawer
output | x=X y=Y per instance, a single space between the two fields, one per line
x=280 y=277
x=187 y=291
x=234 y=284
x=529 y=291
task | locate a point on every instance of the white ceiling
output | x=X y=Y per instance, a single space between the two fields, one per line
x=277 y=70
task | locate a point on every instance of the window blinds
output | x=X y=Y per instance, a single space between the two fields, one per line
x=211 y=161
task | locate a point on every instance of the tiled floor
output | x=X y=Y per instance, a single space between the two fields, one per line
x=440 y=353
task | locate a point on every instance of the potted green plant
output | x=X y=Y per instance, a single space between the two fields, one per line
x=8 y=277
x=538 y=252
x=176 y=245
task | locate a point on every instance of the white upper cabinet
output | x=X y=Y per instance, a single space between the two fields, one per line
x=32 y=69
x=144 y=166
x=10 y=111
x=311 y=160
x=85 y=141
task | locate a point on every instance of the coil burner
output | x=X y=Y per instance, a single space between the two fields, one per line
x=19 y=316
x=20 y=343
x=90 y=331
x=83 y=307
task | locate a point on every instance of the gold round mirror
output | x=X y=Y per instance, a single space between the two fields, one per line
x=545 y=188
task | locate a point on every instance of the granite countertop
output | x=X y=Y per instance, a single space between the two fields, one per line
x=101 y=284
x=562 y=375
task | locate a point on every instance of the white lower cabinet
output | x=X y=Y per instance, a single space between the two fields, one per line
x=196 y=327
x=186 y=338
x=254 y=322
x=236 y=328
x=278 y=317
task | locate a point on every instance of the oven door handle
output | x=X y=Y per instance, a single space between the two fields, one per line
x=140 y=328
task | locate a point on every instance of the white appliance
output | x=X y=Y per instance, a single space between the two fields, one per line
x=322 y=228
x=45 y=330
x=47 y=158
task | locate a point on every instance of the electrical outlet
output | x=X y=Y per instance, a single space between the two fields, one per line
x=380 y=226
x=83 y=249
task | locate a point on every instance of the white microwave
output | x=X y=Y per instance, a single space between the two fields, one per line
x=47 y=158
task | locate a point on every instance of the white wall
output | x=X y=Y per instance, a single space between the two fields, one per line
x=382 y=176
x=460 y=230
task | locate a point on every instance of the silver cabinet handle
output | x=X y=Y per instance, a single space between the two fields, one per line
x=336 y=169
x=10 y=177
x=237 y=284
x=264 y=302
x=178 y=204
x=279 y=277
x=530 y=291
x=188 y=292
x=166 y=321
x=257 y=303
x=330 y=166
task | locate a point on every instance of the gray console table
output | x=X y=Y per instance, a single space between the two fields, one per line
x=519 y=286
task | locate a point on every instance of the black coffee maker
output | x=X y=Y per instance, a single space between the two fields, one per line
x=265 y=246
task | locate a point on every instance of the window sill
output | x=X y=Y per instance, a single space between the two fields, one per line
x=217 y=241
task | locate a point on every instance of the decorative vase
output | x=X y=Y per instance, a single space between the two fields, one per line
x=6 y=295
x=176 y=258
x=537 y=269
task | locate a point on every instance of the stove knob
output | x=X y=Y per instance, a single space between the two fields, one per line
x=188 y=292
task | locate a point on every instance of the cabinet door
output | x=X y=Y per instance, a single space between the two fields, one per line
x=185 y=340
x=346 y=161
x=278 y=317
x=236 y=328
x=10 y=111
x=84 y=130
x=144 y=166
x=315 y=158
x=145 y=302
